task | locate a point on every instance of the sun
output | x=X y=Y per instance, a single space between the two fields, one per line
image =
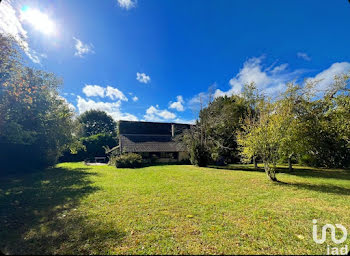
x=40 y=21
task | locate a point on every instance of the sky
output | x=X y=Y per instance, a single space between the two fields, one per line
x=155 y=60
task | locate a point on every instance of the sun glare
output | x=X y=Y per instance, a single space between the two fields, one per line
x=40 y=21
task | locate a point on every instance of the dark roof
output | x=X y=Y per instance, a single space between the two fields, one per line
x=150 y=143
x=137 y=127
x=136 y=136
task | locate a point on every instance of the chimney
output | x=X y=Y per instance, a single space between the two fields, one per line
x=172 y=130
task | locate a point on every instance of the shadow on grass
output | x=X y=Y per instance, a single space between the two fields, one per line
x=340 y=174
x=324 y=188
x=238 y=167
x=39 y=214
x=306 y=172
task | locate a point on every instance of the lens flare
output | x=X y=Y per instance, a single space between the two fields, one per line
x=38 y=20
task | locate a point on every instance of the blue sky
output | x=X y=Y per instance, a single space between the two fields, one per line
x=153 y=60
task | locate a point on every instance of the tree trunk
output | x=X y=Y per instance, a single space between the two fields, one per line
x=290 y=167
x=270 y=172
x=255 y=162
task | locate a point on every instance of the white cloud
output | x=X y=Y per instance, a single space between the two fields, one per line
x=109 y=91
x=326 y=77
x=269 y=80
x=38 y=20
x=94 y=90
x=135 y=98
x=279 y=68
x=142 y=78
x=157 y=115
x=178 y=105
x=33 y=55
x=114 y=94
x=303 y=56
x=81 y=48
x=251 y=72
x=184 y=121
x=111 y=108
x=69 y=93
x=10 y=24
x=127 y=4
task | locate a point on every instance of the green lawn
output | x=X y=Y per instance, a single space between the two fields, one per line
x=169 y=209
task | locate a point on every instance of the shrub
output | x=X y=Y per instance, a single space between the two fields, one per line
x=112 y=158
x=199 y=155
x=130 y=160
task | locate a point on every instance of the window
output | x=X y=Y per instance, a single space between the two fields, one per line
x=170 y=155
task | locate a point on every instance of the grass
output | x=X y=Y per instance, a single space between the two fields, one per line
x=78 y=209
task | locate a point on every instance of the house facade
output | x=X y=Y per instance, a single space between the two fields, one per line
x=155 y=141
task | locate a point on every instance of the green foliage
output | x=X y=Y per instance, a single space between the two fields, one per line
x=76 y=146
x=262 y=137
x=33 y=117
x=95 y=144
x=87 y=148
x=220 y=122
x=213 y=138
x=314 y=130
x=194 y=141
x=200 y=155
x=129 y=160
x=328 y=146
x=323 y=129
x=95 y=122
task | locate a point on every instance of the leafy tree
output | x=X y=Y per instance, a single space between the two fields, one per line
x=327 y=121
x=252 y=97
x=95 y=144
x=198 y=150
x=199 y=155
x=314 y=129
x=36 y=123
x=276 y=131
x=260 y=137
x=220 y=121
x=289 y=107
x=87 y=148
x=95 y=122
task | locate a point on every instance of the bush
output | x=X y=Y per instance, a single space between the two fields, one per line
x=200 y=155
x=130 y=160
x=93 y=146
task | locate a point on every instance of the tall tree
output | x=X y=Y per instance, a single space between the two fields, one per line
x=328 y=121
x=289 y=107
x=260 y=137
x=220 y=121
x=95 y=121
x=252 y=97
x=197 y=148
x=36 y=123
